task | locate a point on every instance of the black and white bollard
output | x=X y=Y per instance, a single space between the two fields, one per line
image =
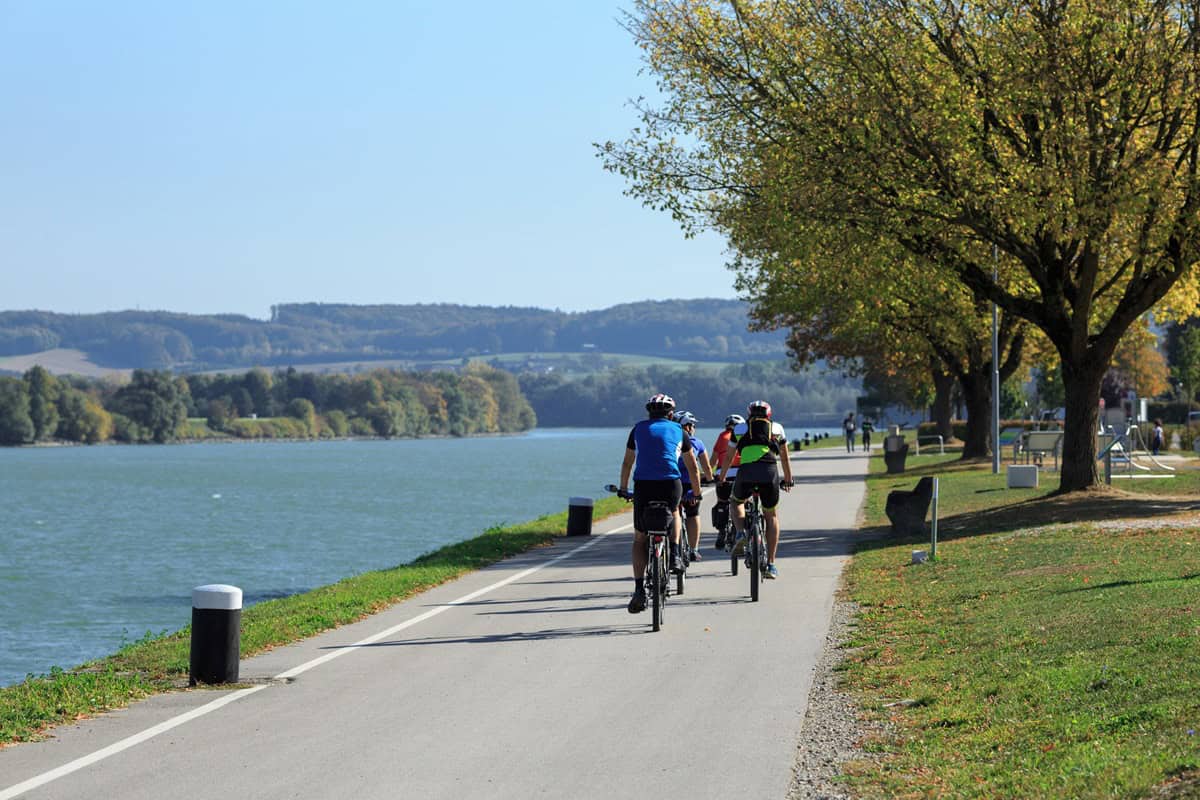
x=216 y=633
x=579 y=516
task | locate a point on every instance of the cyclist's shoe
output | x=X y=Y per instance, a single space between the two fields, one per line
x=695 y=556
x=637 y=603
x=739 y=546
x=771 y=572
x=677 y=565
x=720 y=545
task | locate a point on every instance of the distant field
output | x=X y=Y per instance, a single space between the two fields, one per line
x=59 y=362
x=62 y=362
x=624 y=359
x=507 y=360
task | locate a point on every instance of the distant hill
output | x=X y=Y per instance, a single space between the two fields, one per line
x=316 y=333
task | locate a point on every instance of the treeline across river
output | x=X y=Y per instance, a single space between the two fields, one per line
x=615 y=397
x=158 y=406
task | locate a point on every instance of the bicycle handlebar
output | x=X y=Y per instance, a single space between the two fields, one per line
x=612 y=487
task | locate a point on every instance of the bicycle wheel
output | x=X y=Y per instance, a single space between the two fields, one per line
x=755 y=560
x=731 y=535
x=657 y=595
x=686 y=562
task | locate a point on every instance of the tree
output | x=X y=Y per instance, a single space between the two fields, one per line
x=302 y=409
x=1187 y=364
x=1044 y=141
x=16 y=426
x=1139 y=363
x=83 y=419
x=153 y=403
x=43 y=395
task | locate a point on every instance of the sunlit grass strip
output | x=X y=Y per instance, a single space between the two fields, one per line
x=158 y=664
x=1042 y=663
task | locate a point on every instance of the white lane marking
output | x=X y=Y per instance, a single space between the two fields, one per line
x=124 y=744
x=137 y=738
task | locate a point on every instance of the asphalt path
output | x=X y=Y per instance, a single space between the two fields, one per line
x=525 y=679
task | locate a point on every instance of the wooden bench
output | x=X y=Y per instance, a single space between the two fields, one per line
x=1038 y=444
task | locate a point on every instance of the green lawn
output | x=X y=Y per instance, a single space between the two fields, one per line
x=1050 y=652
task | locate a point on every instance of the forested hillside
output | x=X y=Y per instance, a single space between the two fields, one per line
x=298 y=334
x=616 y=396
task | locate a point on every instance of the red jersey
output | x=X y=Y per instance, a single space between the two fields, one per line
x=719 y=448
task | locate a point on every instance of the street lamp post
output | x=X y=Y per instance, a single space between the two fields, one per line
x=995 y=373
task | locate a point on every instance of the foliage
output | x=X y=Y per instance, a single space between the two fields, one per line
x=314 y=333
x=16 y=426
x=617 y=397
x=1062 y=141
x=1187 y=365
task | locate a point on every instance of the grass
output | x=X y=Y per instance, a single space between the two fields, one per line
x=1047 y=653
x=159 y=664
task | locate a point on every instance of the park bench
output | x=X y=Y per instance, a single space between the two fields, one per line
x=1036 y=445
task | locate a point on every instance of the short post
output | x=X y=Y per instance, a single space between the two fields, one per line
x=933 y=524
x=216 y=634
x=579 y=516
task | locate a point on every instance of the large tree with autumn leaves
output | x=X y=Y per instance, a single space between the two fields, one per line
x=1043 y=155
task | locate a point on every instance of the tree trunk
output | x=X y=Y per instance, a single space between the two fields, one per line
x=1079 y=469
x=943 y=403
x=977 y=394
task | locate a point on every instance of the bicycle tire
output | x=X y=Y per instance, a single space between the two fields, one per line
x=755 y=560
x=657 y=597
x=731 y=537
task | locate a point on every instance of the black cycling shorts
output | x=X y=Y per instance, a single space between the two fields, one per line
x=670 y=492
x=764 y=478
x=689 y=509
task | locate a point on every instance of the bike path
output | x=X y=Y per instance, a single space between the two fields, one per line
x=540 y=686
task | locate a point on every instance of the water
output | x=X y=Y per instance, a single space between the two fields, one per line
x=100 y=545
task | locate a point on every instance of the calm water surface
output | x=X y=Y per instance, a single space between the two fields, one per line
x=100 y=545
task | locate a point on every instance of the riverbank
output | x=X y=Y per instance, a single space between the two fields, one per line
x=160 y=664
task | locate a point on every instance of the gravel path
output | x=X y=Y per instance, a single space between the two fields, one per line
x=832 y=729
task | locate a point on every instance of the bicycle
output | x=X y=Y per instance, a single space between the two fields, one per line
x=756 y=544
x=755 y=528
x=657 y=517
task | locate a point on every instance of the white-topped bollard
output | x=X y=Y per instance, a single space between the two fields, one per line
x=216 y=633
x=579 y=516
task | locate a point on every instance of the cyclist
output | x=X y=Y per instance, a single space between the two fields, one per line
x=689 y=508
x=653 y=453
x=721 y=508
x=762 y=444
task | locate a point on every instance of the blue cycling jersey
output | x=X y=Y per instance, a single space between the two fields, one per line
x=659 y=443
x=698 y=449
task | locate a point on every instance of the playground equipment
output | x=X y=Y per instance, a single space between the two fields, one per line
x=1128 y=451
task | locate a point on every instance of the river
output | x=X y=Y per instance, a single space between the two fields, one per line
x=101 y=545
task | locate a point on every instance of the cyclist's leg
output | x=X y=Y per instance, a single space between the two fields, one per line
x=639 y=555
x=769 y=492
x=736 y=508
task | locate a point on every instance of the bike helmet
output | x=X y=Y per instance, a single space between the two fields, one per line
x=760 y=408
x=660 y=404
x=685 y=418
x=733 y=420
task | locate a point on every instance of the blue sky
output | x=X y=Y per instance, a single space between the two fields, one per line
x=221 y=157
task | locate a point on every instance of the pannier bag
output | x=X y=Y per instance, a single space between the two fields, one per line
x=657 y=517
x=720 y=514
